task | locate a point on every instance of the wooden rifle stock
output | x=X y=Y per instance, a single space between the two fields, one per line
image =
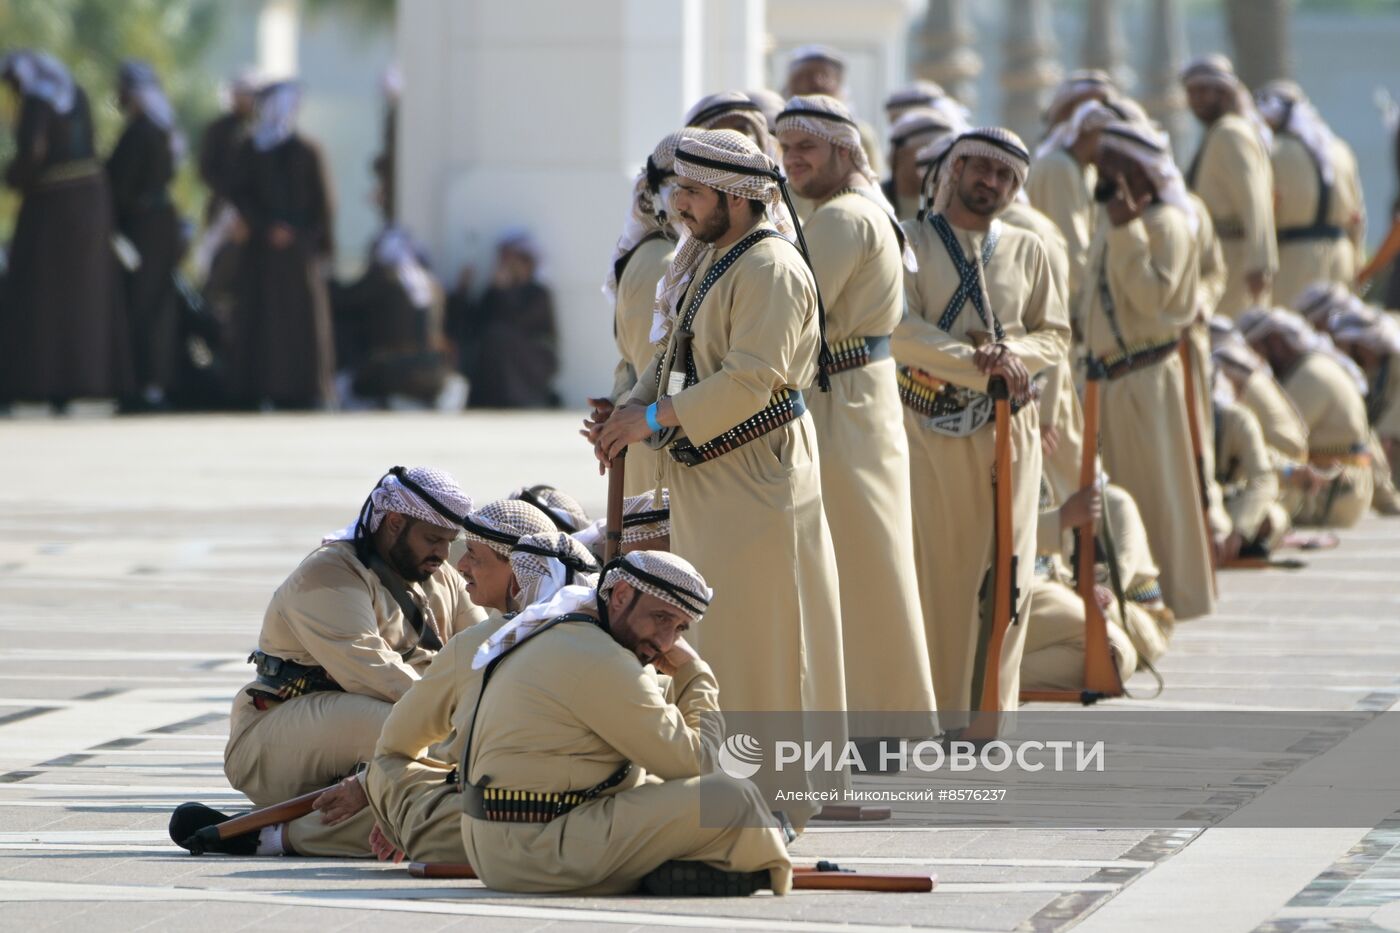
x=824 y=876
x=1389 y=250
x=1193 y=423
x=985 y=721
x=441 y=870
x=250 y=822
x=617 y=470
x=1101 y=680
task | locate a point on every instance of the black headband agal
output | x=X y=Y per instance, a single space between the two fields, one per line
x=706 y=162
x=723 y=107
x=819 y=114
x=1123 y=132
x=690 y=601
x=920 y=130
x=571 y=561
x=490 y=534
x=638 y=519
x=1004 y=145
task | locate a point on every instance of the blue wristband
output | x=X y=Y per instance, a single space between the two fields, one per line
x=651 y=419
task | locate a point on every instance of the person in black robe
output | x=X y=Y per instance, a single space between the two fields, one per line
x=62 y=330
x=388 y=325
x=218 y=147
x=507 y=336
x=139 y=171
x=280 y=347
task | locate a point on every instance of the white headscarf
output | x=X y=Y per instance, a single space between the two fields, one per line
x=1285 y=104
x=41 y=75
x=1320 y=301
x=1090 y=115
x=919 y=126
x=667 y=577
x=1073 y=89
x=828 y=119
x=1151 y=149
x=708 y=111
x=1216 y=70
x=395 y=249
x=1257 y=323
x=437 y=492
x=1370 y=327
x=139 y=81
x=992 y=142
x=543 y=564
x=770 y=102
x=275 y=119
x=648 y=213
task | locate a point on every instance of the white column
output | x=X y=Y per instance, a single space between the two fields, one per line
x=1162 y=94
x=734 y=45
x=538 y=113
x=1104 y=46
x=1029 y=69
x=947 y=54
x=279 y=24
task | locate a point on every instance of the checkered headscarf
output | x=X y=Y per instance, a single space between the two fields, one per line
x=500 y=524
x=992 y=142
x=423 y=493
x=648 y=212
x=545 y=563
x=1320 y=301
x=1359 y=323
x=1284 y=103
x=559 y=507
x=1216 y=70
x=730 y=104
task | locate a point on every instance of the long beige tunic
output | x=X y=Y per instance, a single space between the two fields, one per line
x=1296 y=191
x=421 y=742
x=1232 y=174
x=1335 y=414
x=954 y=520
x=335 y=612
x=751 y=520
x=1063 y=190
x=636 y=297
x=1151 y=270
x=865 y=474
x=1285 y=432
x=562 y=713
x=1247 y=475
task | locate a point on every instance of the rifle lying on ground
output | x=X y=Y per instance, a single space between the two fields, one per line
x=823 y=876
x=254 y=820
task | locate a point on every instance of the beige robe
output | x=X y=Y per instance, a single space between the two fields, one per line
x=1296 y=191
x=1285 y=433
x=1232 y=174
x=1247 y=476
x=865 y=475
x=1211 y=261
x=636 y=298
x=1151 y=268
x=951 y=476
x=334 y=612
x=1335 y=414
x=421 y=742
x=562 y=713
x=1063 y=190
x=751 y=520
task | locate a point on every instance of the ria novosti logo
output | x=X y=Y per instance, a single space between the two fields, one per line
x=740 y=756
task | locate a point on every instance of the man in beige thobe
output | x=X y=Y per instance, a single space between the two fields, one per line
x=982 y=304
x=1232 y=174
x=640 y=259
x=1333 y=409
x=601 y=779
x=1319 y=209
x=915 y=129
x=1248 y=479
x=727 y=398
x=344 y=637
x=1140 y=296
x=1372 y=338
x=859 y=258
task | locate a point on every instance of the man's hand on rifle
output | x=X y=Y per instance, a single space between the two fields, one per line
x=342 y=801
x=627 y=425
x=1082 y=508
x=996 y=359
x=382 y=848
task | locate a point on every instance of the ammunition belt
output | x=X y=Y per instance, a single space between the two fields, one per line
x=1311 y=232
x=855 y=352
x=1138 y=357
x=944 y=403
x=1350 y=455
x=499 y=805
x=280 y=679
x=786 y=405
x=1232 y=229
x=1146 y=593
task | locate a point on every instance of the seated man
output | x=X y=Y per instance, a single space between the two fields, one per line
x=490 y=533
x=1333 y=409
x=408 y=793
x=646 y=526
x=345 y=637
x=1248 y=481
x=1372 y=338
x=1054 y=658
x=601 y=781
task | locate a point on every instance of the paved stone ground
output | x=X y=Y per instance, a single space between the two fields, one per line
x=137 y=556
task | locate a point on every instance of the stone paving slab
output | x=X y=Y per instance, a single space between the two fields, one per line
x=137 y=556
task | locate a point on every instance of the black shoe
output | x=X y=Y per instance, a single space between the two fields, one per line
x=192 y=827
x=696 y=879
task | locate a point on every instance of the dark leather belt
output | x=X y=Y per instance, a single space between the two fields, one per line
x=787 y=405
x=1312 y=232
x=855 y=352
x=1116 y=367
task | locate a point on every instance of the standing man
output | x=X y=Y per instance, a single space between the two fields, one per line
x=859 y=257
x=139 y=171
x=282 y=346
x=1232 y=174
x=1140 y=296
x=727 y=399
x=820 y=69
x=1318 y=205
x=982 y=304
x=915 y=129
